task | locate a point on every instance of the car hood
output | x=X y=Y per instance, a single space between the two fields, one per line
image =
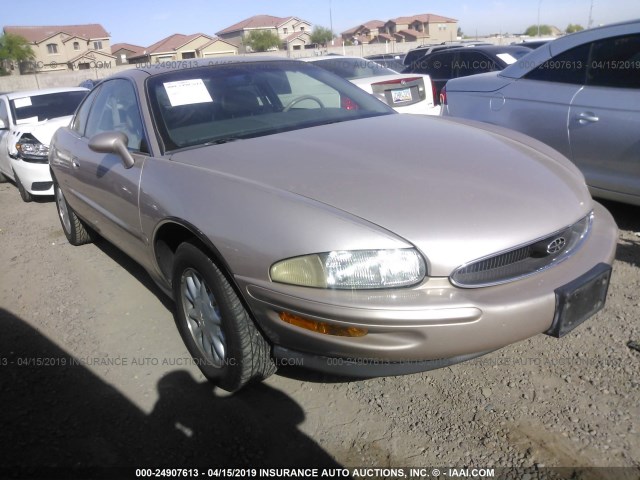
x=43 y=130
x=482 y=82
x=455 y=191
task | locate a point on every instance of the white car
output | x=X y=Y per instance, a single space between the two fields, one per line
x=28 y=120
x=405 y=93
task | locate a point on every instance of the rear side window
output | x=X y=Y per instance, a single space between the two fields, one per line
x=567 y=67
x=615 y=62
x=471 y=63
x=438 y=65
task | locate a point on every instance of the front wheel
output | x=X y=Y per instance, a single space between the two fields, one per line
x=216 y=328
x=26 y=196
x=75 y=230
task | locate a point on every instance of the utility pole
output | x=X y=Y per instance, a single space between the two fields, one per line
x=590 y=23
x=539 y=5
x=331 y=21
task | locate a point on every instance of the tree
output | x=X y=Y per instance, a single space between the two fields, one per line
x=532 y=31
x=460 y=32
x=571 y=28
x=262 y=40
x=321 y=36
x=14 y=48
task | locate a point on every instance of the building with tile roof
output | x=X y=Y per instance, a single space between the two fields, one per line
x=294 y=32
x=65 y=47
x=183 y=47
x=426 y=28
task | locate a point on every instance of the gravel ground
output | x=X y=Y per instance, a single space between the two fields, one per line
x=131 y=397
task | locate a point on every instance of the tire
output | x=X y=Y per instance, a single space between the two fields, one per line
x=74 y=229
x=26 y=196
x=234 y=352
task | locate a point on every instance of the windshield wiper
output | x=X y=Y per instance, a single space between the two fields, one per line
x=222 y=140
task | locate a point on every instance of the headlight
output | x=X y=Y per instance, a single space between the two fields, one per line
x=31 y=149
x=357 y=269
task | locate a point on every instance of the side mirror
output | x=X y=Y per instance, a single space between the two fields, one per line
x=113 y=142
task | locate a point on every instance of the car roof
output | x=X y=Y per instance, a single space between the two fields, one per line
x=562 y=44
x=331 y=57
x=485 y=48
x=44 y=91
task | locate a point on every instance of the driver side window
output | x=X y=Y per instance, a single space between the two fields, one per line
x=116 y=108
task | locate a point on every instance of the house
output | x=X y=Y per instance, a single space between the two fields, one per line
x=183 y=47
x=124 y=51
x=65 y=47
x=421 y=28
x=294 y=32
x=363 y=34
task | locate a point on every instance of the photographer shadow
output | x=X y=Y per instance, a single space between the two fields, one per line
x=57 y=414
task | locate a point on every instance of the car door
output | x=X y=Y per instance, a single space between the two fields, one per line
x=108 y=190
x=604 y=119
x=538 y=103
x=5 y=134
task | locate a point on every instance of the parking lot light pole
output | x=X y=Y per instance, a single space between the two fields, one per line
x=539 y=5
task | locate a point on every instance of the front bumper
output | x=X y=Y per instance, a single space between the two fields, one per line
x=431 y=322
x=35 y=177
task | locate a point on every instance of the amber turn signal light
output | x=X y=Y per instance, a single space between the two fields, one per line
x=322 y=327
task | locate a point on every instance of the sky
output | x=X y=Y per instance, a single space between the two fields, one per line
x=143 y=22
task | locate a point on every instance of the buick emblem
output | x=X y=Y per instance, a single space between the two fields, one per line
x=556 y=245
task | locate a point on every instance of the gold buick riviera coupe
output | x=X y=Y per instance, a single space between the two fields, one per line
x=270 y=200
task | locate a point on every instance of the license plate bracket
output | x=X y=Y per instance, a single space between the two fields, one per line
x=580 y=299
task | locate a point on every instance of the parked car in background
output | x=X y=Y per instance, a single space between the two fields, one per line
x=393 y=61
x=268 y=197
x=580 y=94
x=418 y=52
x=405 y=93
x=533 y=44
x=443 y=65
x=28 y=120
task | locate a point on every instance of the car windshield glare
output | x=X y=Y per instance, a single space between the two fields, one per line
x=37 y=108
x=220 y=103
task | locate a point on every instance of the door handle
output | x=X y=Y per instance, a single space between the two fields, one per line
x=587 y=117
x=75 y=163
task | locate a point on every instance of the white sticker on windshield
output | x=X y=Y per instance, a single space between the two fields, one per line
x=506 y=58
x=187 y=92
x=22 y=102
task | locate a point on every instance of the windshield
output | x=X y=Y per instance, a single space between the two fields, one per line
x=37 y=108
x=352 y=68
x=225 y=102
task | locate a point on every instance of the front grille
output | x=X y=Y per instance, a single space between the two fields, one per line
x=523 y=260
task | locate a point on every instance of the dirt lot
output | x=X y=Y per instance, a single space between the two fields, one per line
x=93 y=372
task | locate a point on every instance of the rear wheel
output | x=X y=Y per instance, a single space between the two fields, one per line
x=215 y=326
x=75 y=230
x=26 y=196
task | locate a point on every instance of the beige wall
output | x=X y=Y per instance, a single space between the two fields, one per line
x=443 y=32
x=219 y=48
